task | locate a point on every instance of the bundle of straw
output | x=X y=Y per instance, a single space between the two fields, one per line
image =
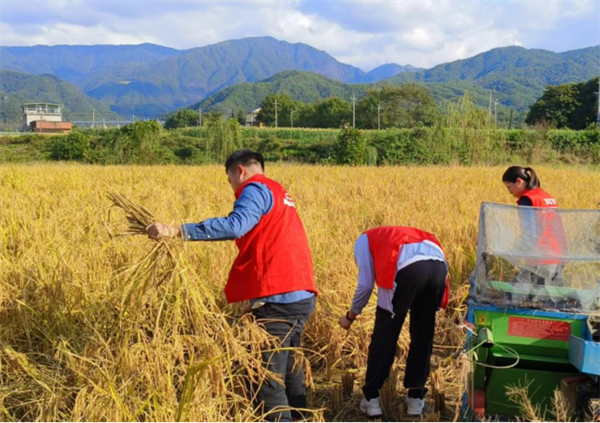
x=159 y=264
x=138 y=216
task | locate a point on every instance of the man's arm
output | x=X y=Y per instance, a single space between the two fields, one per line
x=255 y=201
x=366 y=275
x=366 y=281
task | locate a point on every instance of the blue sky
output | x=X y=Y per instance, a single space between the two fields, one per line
x=362 y=33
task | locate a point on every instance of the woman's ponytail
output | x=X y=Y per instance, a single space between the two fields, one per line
x=527 y=174
x=534 y=181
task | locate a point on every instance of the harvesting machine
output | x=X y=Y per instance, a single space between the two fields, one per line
x=533 y=317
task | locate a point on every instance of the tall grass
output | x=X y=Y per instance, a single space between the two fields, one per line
x=72 y=349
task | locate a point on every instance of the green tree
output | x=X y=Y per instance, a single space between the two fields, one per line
x=351 y=147
x=285 y=105
x=211 y=116
x=305 y=116
x=182 y=119
x=241 y=117
x=75 y=146
x=407 y=106
x=332 y=112
x=136 y=142
x=224 y=137
x=566 y=106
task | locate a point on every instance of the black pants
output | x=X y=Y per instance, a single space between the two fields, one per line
x=419 y=288
x=285 y=321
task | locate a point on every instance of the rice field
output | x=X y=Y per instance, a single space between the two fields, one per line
x=95 y=325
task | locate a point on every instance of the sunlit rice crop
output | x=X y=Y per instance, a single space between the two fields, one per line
x=95 y=327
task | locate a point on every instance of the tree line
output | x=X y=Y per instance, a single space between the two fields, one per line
x=568 y=106
x=407 y=106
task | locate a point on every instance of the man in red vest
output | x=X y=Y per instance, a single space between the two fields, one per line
x=273 y=270
x=410 y=270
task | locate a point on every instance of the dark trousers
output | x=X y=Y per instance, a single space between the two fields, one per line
x=285 y=321
x=419 y=288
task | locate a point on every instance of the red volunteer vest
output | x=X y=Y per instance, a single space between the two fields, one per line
x=552 y=233
x=540 y=198
x=274 y=257
x=385 y=243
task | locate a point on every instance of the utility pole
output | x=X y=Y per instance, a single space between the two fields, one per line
x=353 y=110
x=490 y=109
x=378 y=116
x=93 y=117
x=132 y=118
x=275 y=113
x=292 y=117
x=510 y=119
x=199 y=116
x=598 y=116
x=495 y=112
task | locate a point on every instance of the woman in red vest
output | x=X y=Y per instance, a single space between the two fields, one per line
x=410 y=270
x=523 y=184
x=542 y=231
x=273 y=271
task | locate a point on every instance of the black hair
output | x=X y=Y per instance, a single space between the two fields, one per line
x=244 y=157
x=527 y=174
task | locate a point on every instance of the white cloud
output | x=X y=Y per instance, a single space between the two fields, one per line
x=65 y=33
x=364 y=34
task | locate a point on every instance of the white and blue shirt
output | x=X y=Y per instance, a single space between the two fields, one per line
x=409 y=253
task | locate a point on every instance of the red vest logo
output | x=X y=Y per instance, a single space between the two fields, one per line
x=287 y=200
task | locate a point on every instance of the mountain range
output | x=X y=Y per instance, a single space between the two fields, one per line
x=516 y=77
x=519 y=74
x=150 y=80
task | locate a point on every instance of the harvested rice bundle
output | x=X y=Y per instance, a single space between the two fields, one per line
x=138 y=216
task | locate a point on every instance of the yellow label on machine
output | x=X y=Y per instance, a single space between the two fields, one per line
x=482 y=320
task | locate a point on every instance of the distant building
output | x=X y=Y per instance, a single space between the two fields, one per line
x=44 y=117
x=44 y=126
x=251 y=118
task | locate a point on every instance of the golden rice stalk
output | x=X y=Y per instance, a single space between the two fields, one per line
x=593 y=414
x=68 y=354
x=348 y=383
x=437 y=391
x=519 y=394
x=138 y=216
x=159 y=264
x=562 y=410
